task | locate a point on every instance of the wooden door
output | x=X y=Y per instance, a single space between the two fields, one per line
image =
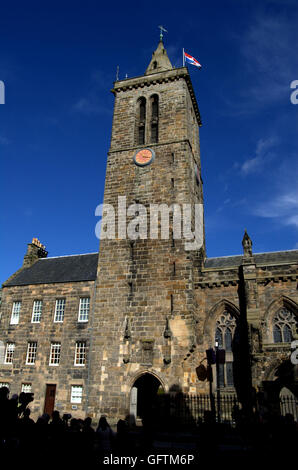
x=49 y=402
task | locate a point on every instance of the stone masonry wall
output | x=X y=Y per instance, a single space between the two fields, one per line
x=45 y=332
x=145 y=285
x=271 y=288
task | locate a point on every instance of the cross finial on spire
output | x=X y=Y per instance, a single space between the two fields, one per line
x=162 y=30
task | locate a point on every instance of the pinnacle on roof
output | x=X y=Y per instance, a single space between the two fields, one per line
x=247 y=244
x=160 y=61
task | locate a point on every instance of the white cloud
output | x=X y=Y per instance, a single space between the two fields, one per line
x=293 y=220
x=263 y=155
x=250 y=165
x=283 y=206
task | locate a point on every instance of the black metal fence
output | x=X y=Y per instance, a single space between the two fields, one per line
x=184 y=409
x=190 y=410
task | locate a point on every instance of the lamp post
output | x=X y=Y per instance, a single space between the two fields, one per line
x=210 y=353
x=216 y=357
x=217 y=381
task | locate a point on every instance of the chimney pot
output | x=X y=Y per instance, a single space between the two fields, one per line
x=35 y=251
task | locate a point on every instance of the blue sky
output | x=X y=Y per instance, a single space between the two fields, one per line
x=58 y=62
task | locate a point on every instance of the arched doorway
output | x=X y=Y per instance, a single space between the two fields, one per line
x=144 y=394
x=281 y=388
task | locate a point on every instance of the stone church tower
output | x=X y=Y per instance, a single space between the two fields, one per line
x=144 y=321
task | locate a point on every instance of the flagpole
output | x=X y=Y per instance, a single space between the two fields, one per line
x=183 y=59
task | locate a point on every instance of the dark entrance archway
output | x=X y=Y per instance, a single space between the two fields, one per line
x=280 y=390
x=144 y=394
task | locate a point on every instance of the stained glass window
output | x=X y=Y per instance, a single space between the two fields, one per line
x=225 y=335
x=284 y=325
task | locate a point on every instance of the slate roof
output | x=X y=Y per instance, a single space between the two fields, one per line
x=84 y=267
x=59 y=269
x=272 y=258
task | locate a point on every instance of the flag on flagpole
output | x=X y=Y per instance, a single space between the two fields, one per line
x=191 y=60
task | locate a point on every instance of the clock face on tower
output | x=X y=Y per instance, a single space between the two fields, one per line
x=144 y=157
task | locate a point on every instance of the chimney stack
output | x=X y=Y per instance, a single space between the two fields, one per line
x=35 y=251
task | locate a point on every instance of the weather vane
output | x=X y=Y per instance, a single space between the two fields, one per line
x=162 y=30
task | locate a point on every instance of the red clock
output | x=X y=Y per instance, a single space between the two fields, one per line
x=144 y=157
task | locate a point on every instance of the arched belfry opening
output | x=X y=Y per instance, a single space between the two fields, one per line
x=154 y=118
x=144 y=396
x=141 y=121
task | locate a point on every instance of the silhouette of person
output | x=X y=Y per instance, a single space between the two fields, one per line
x=87 y=425
x=122 y=437
x=105 y=436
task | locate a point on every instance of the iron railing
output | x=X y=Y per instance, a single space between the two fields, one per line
x=190 y=410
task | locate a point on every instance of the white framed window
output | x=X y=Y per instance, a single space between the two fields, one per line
x=26 y=388
x=31 y=352
x=59 y=311
x=84 y=309
x=15 y=314
x=37 y=311
x=80 y=354
x=76 y=394
x=10 y=347
x=55 y=354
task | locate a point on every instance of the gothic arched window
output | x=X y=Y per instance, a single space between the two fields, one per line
x=284 y=324
x=154 y=118
x=224 y=338
x=141 y=121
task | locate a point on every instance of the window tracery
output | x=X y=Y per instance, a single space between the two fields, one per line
x=284 y=325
